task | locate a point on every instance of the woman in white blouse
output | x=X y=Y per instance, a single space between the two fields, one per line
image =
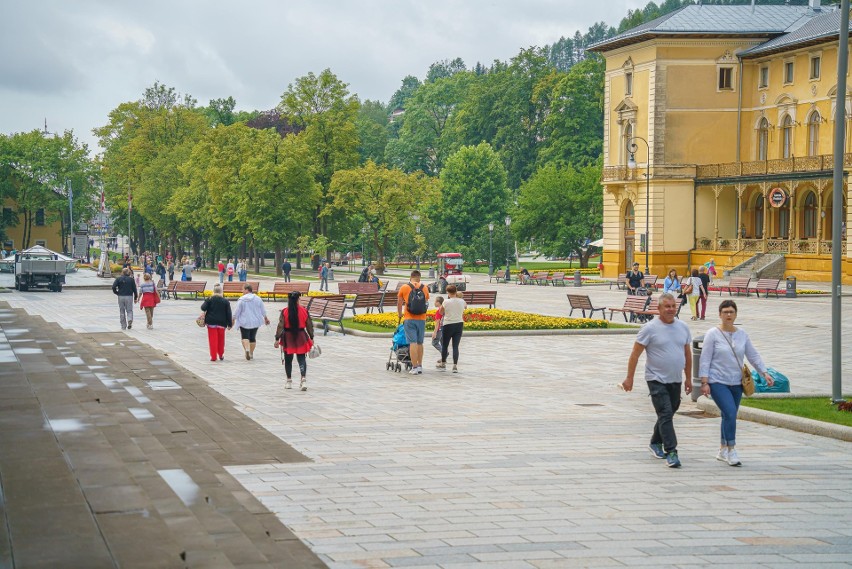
x=720 y=371
x=452 y=325
x=696 y=293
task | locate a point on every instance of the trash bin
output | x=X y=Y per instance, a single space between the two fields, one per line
x=431 y=272
x=331 y=274
x=697 y=344
x=578 y=280
x=791 y=287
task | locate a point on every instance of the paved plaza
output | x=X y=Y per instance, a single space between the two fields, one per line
x=530 y=457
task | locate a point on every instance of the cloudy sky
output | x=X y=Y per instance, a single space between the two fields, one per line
x=72 y=61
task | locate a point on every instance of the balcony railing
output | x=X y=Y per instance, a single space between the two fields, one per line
x=623 y=173
x=823 y=163
x=791 y=246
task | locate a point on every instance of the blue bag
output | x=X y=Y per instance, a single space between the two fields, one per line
x=782 y=384
x=399 y=337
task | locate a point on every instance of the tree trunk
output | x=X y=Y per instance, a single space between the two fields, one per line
x=380 y=252
x=28 y=224
x=279 y=260
x=298 y=259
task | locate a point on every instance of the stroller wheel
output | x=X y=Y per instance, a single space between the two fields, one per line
x=398 y=368
x=388 y=365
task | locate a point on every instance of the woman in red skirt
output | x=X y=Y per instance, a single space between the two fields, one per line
x=295 y=335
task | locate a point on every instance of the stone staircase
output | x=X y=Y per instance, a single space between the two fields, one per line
x=113 y=456
x=761 y=266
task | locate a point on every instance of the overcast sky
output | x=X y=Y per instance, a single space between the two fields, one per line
x=72 y=61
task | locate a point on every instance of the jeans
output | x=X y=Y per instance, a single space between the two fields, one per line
x=287 y=277
x=451 y=333
x=221 y=278
x=243 y=276
x=666 y=400
x=125 y=310
x=231 y=278
x=288 y=364
x=324 y=281
x=703 y=302
x=727 y=398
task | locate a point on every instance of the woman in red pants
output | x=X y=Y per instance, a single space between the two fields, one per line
x=217 y=317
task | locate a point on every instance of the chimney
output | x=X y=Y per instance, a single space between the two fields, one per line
x=814 y=4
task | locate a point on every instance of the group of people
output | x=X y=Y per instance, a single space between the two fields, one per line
x=229 y=269
x=693 y=289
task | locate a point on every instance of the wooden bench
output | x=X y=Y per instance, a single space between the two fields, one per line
x=620 y=283
x=766 y=285
x=584 y=303
x=239 y=287
x=480 y=297
x=651 y=282
x=653 y=309
x=357 y=288
x=368 y=300
x=539 y=277
x=282 y=288
x=188 y=287
x=389 y=299
x=327 y=311
x=498 y=276
x=736 y=284
x=632 y=304
x=557 y=279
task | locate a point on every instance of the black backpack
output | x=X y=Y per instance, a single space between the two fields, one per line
x=364 y=275
x=416 y=300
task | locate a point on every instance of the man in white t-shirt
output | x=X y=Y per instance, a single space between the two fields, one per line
x=666 y=341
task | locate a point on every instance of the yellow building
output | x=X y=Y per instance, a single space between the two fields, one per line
x=42 y=231
x=736 y=104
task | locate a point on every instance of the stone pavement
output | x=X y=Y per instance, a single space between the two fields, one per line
x=530 y=457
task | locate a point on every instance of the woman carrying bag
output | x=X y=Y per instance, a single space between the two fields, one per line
x=295 y=336
x=149 y=298
x=216 y=313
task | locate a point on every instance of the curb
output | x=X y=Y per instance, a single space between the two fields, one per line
x=487 y=333
x=800 y=424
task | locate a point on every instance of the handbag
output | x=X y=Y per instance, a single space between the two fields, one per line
x=200 y=321
x=687 y=289
x=315 y=352
x=747 y=380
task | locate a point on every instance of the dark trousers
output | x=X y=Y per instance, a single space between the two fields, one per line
x=703 y=303
x=666 y=400
x=451 y=333
x=288 y=364
x=287 y=277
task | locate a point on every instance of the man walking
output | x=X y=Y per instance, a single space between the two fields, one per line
x=324 y=276
x=666 y=341
x=286 y=268
x=125 y=288
x=414 y=297
x=635 y=279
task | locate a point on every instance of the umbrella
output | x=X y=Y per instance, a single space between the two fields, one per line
x=598 y=243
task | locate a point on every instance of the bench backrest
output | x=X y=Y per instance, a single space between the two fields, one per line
x=282 y=287
x=622 y=278
x=740 y=282
x=317 y=307
x=190 y=286
x=334 y=310
x=368 y=299
x=651 y=280
x=239 y=286
x=480 y=296
x=539 y=275
x=580 y=301
x=653 y=306
x=771 y=284
x=633 y=302
x=557 y=276
x=357 y=288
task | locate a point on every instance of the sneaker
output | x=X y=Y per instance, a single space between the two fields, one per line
x=722 y=454
x=672 y=461
x=441 y=365
x=221 y=358
x=657 y=450
x=129 y=325
x=288 y=384
x=455 y=368
x=150 y=326
x=303 y=385
x=412 y=371
x=419 y=370
x=733 y=458
x=248 y=355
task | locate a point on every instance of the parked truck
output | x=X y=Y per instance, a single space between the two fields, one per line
x=40 y=267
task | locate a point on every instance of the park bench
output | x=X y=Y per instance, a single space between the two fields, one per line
x=368 y=300
x=389 y=299
x=238 y=287
x=282 y=288
x=651 y=282
x=357 y=288
x=480 y=297
x=648 y=313
x=583 y=302
x=539 y=277
x=736 y=284
x=188 y=287
x=497 y=276
x=632 y=304
x=620 y=283
x=557 y=279
x=768 y=286
x=327 y=311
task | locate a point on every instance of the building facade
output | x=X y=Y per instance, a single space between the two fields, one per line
x=736 y=105
x=43 y=231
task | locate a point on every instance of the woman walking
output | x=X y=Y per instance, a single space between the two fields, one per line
x=295 y=335
x=150 y=298
x=249 y=316
x=242 y=270
x=693 y=293
x=452 y=324
x=217 y=317
x=720 y=372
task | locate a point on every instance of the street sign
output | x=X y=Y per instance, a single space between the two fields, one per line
x=777 y=197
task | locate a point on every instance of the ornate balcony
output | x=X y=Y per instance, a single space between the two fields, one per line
x=784 y=246
x=823 y=163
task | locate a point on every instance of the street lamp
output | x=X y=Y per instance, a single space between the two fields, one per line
x=417 y=256
x=490 y=249
x=508 y=222
x=631 y=163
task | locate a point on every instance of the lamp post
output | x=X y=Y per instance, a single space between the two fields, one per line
x=631 y=163
x=417 y=256
x=490 y=249
x=508 y=223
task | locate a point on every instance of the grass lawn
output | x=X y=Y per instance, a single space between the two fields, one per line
x=348 y=323
x=817 y=408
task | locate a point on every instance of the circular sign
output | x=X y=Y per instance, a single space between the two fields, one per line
x=777 y=197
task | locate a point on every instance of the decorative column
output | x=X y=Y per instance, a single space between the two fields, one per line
x=792 y=220
x=766 y=216
x=739 y=188
x=716 y=191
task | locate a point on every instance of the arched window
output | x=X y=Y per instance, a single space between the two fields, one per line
x=763 y=139
x=813 y=133
x=758 y=217
x=810 y=214
x=629 y=217
x=787 y=137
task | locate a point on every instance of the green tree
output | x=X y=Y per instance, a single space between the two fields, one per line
x=372 y=125
x=474 y=192
x=561 y=208
x=388 y=201
x=399 y=99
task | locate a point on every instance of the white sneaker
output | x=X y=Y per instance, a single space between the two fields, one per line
x=289 y=384
x=733 y=459
x=419 y=370
x=722 y=454
x=303 y=385
x=441 y=365
x=413 y=371
x=455 y=369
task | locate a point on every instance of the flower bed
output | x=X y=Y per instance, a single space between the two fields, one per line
x=263 y=294
x=492 y=319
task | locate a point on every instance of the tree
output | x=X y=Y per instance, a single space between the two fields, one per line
x=386 y=199
x=399 y=99
x=474 y=192
x=562 y=209
x=372 y=125
x=444 y=68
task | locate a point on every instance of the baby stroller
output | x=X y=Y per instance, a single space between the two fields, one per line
x=399 y=354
